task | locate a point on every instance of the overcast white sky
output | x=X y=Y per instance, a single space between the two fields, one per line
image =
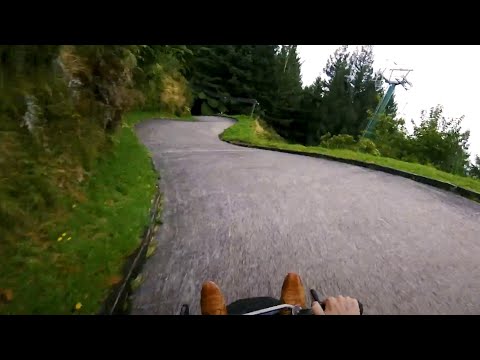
x=442 y=74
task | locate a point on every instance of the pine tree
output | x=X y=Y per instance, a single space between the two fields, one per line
x=289 y=78
x=365 y=96
x=221 y=74
x=312 y=102
x=208 y=72
x=474 y=168
x=392 y=107
x=337 y=111
x=264 y=75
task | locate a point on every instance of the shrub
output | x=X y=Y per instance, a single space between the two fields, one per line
x=367 y=146
x=341 y=141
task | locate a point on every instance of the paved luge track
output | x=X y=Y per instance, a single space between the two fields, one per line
x=245 y=217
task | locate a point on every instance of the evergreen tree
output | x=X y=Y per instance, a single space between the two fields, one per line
x=474 y=168
x=365 y=96
x=337 y=112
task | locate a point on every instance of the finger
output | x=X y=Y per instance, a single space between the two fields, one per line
x=330 y=303
x=357 y=305
x=317 y=309
x=352 y=300
x=353 y=304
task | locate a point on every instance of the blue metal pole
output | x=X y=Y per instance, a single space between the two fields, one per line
x=380 y=109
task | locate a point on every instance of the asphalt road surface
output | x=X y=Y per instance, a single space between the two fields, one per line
x=245 y=217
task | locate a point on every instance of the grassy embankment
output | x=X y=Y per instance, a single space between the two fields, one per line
x=73 y=269
x=255 y=132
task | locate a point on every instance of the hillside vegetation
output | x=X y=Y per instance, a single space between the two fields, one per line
x=76 y=185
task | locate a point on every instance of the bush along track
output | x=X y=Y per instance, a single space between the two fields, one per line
x=254 y=133
x=118 y=302
x=75 y=271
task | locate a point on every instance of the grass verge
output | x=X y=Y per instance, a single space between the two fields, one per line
x=251 y=131
x=74 y=271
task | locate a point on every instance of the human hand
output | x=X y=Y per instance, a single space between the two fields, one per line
x=337 y=306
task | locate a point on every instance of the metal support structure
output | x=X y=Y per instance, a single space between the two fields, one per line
x=253 y=108
x=372 y=122
x=380 y=109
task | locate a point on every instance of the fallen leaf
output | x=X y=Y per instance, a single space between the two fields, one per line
x=114 y=280
x=6 y=295
x=137 y=282
x=150 y=250
x=125 y=306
